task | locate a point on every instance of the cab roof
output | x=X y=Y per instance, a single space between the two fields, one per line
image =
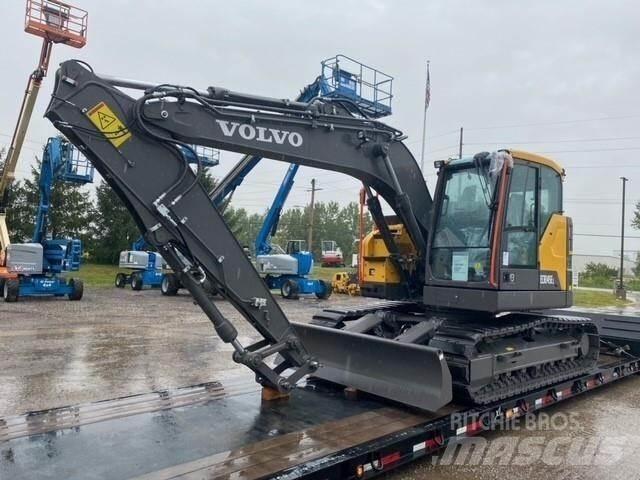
x=522 y=155
x=535 y=158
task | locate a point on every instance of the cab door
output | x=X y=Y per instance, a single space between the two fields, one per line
x=519 y=262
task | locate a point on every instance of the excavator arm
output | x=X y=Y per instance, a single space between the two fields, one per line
x=136 y=144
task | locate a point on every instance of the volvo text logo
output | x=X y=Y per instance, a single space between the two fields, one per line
x=260 y=134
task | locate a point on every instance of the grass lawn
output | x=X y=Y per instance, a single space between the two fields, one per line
x=94 y=275
x=103 y=276
x=589 y=298
x=326 y=273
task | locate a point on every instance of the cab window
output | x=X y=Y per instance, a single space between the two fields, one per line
x=521 y=220
x=461 y=242
x=550 y=196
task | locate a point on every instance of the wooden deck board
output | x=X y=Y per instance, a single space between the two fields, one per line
x=272 y=455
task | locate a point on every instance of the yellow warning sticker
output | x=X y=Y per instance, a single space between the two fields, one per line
x=109 y=124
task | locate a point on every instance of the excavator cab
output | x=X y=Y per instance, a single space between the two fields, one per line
x=500 y=241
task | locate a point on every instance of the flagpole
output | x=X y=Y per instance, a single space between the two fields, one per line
x=427 y=99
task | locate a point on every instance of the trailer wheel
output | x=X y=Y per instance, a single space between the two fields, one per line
x=136 y=281
x=289 y=289
x=325 y=291
x=11 y=289
x=77 y=289
x=169 y=285
x=121 y=280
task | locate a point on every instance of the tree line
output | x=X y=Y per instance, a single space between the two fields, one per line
x=105 y=226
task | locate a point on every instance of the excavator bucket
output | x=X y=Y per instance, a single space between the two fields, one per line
x=404 y=372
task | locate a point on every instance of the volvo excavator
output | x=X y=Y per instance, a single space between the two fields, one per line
x=480 y=259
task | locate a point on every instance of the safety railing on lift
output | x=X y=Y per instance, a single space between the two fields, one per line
x=367 y=87
x=57 y=22
x=77 y=168
x=210 y=157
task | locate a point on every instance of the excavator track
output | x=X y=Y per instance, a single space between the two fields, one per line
x=479 y=352
x=465 y=342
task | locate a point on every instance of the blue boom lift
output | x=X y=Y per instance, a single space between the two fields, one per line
x=41 y=263
x=287 y=270
x=366 y=92
x=144 y=268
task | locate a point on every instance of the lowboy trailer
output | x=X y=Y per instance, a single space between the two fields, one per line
x=217 y=430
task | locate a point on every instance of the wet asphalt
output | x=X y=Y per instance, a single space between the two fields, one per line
x=119 y=342
x=116 y=342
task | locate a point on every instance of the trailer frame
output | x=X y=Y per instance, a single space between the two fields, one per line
x=426 y=434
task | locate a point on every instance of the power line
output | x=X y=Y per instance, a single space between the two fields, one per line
x=451 y=132
x=603 y=235
x=559 y=122
x=41 y=144
x=607 y=201
x=581 y=140
x=440 y=149
x=616 y=149
x=602 y=166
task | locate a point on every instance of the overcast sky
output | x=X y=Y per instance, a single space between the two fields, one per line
x=557 y=77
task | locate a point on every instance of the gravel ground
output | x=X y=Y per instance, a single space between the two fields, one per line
x=119 y=342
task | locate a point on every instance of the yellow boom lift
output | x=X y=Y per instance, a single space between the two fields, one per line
x=55 y=22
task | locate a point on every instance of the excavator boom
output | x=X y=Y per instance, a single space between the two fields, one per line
x=127 y=139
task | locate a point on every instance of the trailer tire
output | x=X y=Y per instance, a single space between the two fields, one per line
x=77 y=289
x=11 y=290
x=289 y=290
x=136 y=281
x=121 y=280
x=169 y=285
x=326 y=291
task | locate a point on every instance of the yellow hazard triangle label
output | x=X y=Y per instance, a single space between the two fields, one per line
x=109 y=124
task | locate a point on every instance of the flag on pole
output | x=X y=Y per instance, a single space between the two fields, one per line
x=427 y=100
x=427 y=93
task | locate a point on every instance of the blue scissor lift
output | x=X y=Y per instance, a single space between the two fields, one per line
x=40 y=265
x=363 y=91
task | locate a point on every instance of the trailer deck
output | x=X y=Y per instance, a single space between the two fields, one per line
x=217 y=430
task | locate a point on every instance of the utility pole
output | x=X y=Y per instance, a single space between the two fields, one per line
x=620 y=291
x=313 y=191
x=460 y=147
